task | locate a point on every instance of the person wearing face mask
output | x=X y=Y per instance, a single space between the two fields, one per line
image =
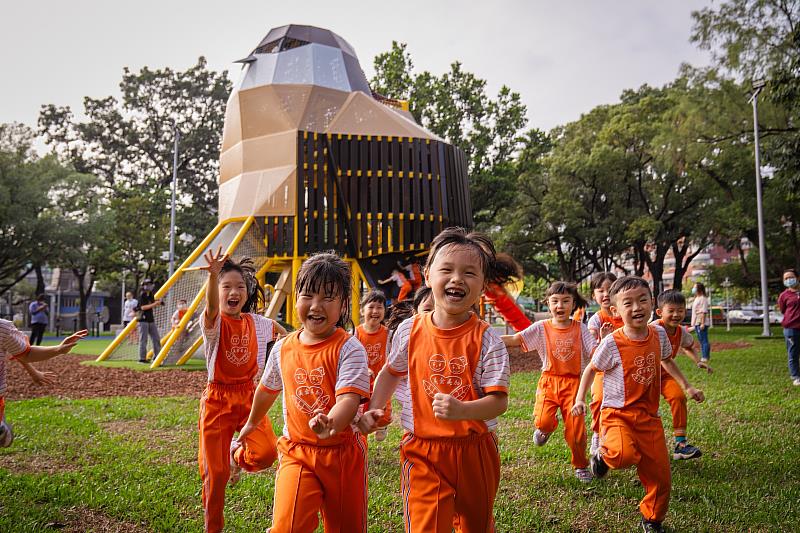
x=701 y=319
x=147 y=321
x=789 y=305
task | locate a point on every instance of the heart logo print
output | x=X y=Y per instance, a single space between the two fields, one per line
x=645 y=369
x=309 y=396
x=239 y=352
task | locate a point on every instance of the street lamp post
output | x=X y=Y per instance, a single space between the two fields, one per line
x=758 y=85
x=727 y=284
x=172 y=210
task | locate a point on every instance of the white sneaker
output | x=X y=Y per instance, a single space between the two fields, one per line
x=540 y=437
x=380 y=434
x=595 y=444
x=796 y=382
x=584 y=475
x=236 y=470
x=6 y=434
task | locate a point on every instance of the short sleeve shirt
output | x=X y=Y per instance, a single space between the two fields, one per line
x=468 y=362
x=13 y=344
x=146 y=298
x=601 y=317
x=789 y=305
x=632 y=369
x=563 y=351
x=699 y=305
x=236 y=349
x=399 y=278
x=311 y=376
x=376 y=346
x=37 y=317
x=129 y=309
x=680 y=339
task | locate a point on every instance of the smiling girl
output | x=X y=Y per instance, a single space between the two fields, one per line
x=458 y=371
x=322 y=372
x=235 y=340
x=375 y=338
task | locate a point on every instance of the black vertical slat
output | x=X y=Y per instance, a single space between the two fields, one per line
x=444 y=177
x=456 y=191
x=354 y=192
x=374 y=193
x=301 y=173
x=311 y=196
x=467 y=203
x=363 y=185
x=268 y=233
x=384 y=181
x=436 y=196
x=426 y=193
x=344 y=165
x=280 y=233
x=405 y=150
x=319 y=147
x=416 y=193
x=395 y=183
x=339 y=181
x=330 y=193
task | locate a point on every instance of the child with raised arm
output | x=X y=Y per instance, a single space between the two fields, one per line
x=402 y=282
x=631 y=359
x=14 y=345
x=235 y=338
x=458 y=371
x=600 y=324
x=375 y=338
x=322 y=372
x=565 y=346
x=671 y=310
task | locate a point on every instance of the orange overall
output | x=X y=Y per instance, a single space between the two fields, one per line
x=416 y=280
x=405 y=287
x=670 y=389
x=224 y=409
x=316 y=475
x=597 y=384
x=376 y=345
x=558 y=386
x=632 y=433
x=450 y=470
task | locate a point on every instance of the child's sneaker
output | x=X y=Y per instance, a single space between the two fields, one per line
x=651 y=527
x=684 y=450
x=236 y=470
x=540 y=437
x=796 y=382
x=584 y=475
x=595 y=444
x=6 y=434
x=380 y=434
x=598 y=467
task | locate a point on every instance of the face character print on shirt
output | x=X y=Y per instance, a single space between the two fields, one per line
x=309 y=396
x=239 y=352
x=448 y=376
x=564 y=349
x=645 y=369
x=373 y=352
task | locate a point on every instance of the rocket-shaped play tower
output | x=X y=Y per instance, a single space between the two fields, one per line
x=312 y=160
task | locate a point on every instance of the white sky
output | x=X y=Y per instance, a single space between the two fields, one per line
x=564 y=58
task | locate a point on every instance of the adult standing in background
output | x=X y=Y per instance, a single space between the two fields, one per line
x=128 y=314
x=147 y=321
x=40 y=317
x=701 y=319
x=789 y=305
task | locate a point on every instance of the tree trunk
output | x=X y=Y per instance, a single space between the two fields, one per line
x=84 y=293
x=39 y=280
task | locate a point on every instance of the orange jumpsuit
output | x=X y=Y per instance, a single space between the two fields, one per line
x=670 y=389
x=597 y=384
x=376 y=344
x=632 y=433
x=235 y=349
x=450 y=470
x=316 y=475
x=565 y=352
x=416 y=276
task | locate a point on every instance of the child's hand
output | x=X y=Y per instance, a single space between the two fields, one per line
x=579 y=408
x=246 y=430
x=704 y=365
x=43 y=378
x=70 y=342
x=322 y=425
x=606 y=328
x=368 y=422
x=695 y=394
x=447 y=407
x=214 y=262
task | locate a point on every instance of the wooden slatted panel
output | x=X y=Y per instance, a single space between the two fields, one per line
x=374 y=195
x=301 y=190
x=385 y=182
x=405 y=151
x=363 y=201
x=425 y=179
x=396 y=192
x=416 y=196
x=436 y=188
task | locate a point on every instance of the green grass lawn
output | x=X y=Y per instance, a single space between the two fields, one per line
x=133 y=461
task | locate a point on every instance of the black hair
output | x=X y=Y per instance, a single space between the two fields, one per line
x=422 y=294
x=701 y=288
x=255 y=293
x=373 y=296
x=400 y=311
x=506 y=269
x=326 y=272
x=565 y=287
x=460 y=237
x=627 y=283
x=792 y=270
x=671 y=297
x=41 y=298
x=599 y=278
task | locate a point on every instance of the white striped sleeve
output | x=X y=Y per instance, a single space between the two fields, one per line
x=594 y=324
x=264 y=335
x=666 y=346
x=352 y=375
x=687 y=341
x=603 y=358
x=589 y=343
x=398 y=357
x=211 y=343
x=271 y=379
x=495 y=364
x=533 y=338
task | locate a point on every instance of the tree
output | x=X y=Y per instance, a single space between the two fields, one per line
x=128 y=143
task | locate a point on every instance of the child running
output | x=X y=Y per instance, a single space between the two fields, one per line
x=458 y=373
x=14 y=345
x=323 y=373
x=565 y=346
x=601 y=324
x=632 y=433
x=374 y=336
x=671 y=310
x=235 y=339
x=402 y=282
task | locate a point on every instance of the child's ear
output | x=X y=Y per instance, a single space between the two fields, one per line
x=658 y=312
x=613 y=309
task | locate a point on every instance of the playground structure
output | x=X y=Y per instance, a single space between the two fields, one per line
x=312 y=160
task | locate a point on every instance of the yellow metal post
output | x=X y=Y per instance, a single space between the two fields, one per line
x=193 y=348
x=178 y=331
x=118 y=340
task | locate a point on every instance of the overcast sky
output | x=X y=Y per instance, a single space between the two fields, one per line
x=563 y=57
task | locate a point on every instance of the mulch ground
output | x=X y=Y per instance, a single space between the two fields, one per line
x=77 y=381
